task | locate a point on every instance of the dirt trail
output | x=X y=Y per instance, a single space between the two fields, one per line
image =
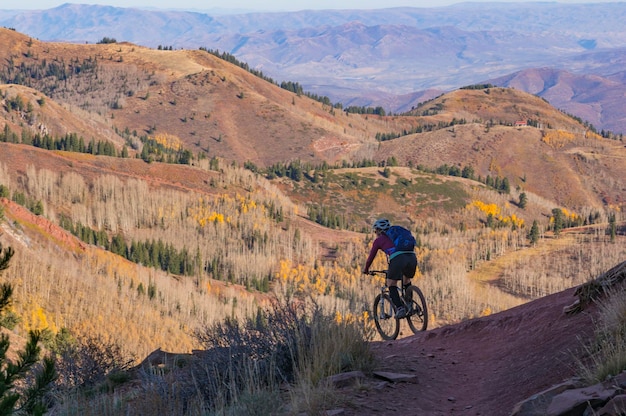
x=479 y=367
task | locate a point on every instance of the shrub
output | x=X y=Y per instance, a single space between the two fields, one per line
x=106 y=40
x=89 y=361
x=243 y=370
x=287 y=343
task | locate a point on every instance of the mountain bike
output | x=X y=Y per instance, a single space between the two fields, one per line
x=413 y=299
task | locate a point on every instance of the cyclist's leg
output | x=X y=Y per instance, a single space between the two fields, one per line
x=394 y=274
x=408 y=271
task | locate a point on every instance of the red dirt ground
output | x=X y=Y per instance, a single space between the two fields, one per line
x=480 y=367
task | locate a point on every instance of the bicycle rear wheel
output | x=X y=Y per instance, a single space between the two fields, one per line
x=385 y=317
x=418 y=312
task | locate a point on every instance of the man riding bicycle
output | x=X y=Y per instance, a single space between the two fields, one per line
x=402 y=264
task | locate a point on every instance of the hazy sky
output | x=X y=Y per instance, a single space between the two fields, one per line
x=267 y=5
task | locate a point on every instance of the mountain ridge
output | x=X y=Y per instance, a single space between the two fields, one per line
x=575 y=94
x=465 y=44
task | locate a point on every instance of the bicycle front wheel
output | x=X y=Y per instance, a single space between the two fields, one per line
x=385 y=318
x=418 y=312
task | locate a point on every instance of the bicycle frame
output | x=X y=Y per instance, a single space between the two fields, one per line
x=385 y=288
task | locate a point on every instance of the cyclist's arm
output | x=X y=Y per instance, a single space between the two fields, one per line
x=379 y=244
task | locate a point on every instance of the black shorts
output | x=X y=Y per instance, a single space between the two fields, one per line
x=404 y=264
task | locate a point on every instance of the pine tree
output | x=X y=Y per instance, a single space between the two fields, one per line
x=612 y=227
x=559 y=221
x=534 y=233
x=523 y=200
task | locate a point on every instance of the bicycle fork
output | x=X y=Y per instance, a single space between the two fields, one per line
x=386 y=305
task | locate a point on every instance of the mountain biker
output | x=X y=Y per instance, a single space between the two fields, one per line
x=402 y=264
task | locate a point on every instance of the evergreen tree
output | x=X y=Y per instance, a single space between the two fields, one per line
x=392 y=161
x=612 y=227
x=523 y=200
x=118 y=245
x=533 y=236
x=559 y=221
x=468 y=172
x=37 y=208
x=504 y=186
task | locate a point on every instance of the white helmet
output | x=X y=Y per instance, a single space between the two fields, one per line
x=381 y=224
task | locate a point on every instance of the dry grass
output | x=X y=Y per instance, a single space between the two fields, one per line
x=253 y=368
x=607 y=354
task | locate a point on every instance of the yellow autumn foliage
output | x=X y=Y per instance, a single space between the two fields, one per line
x=245 y=204
x=338 y=317
x=36 y=320
x=316 y=281
x=557 y=138
x=592 y=135
x=488 y=209
x=571 y=217
x=350 y=318
x=168 y=141
x=214 y=210
x=205 y=212
x=495 y=211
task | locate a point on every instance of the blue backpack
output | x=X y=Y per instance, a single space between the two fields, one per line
x=402 y=238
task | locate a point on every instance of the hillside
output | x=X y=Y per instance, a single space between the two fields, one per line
x=593 y=98
x=551 y=154
x=192 y=100
x=524 y=350
x=188 y=98
x=276 y=197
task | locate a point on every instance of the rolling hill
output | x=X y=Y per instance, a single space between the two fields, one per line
x=593 y=98
x=204 y=102
x=550 y=153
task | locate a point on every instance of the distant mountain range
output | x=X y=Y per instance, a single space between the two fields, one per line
x=572 y=55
